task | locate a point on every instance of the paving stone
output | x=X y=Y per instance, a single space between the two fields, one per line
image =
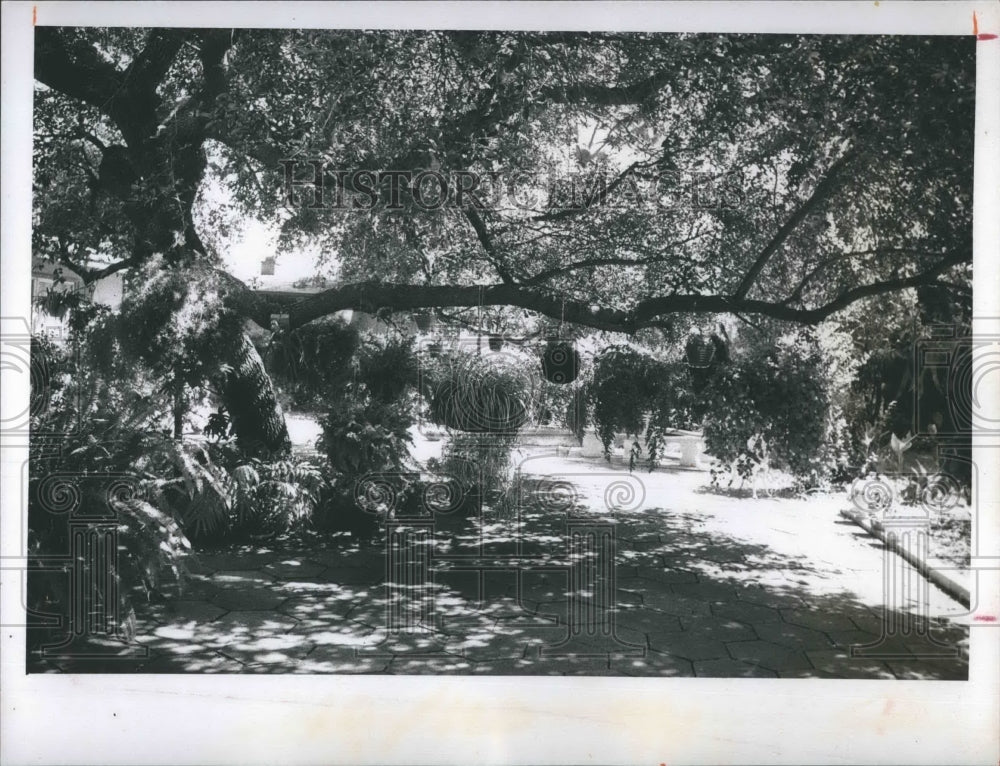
x=497 y=584
x=415 y=643
x=197 y=564
x=686 y=646
x=293 y=569
x=194 y=610
x=163 y=644
x=869 y=620
x=743 y=612
x=653 y=664
x=486 y=646
x=636 y=560
x=717 y=629
x=769 y=655
x=844 y=639
x=929 y=669
x=731 y=669
x=342 y=660
x=188 y=631
x=592 y=667
x=706 y=591
x=352 y=575
x=648 y=621
x=339 y=558
x=574 y=649
x=241 y=579
x=811 y=672
x=249 y=600
x=722 y=556
x=317 y=589
x=317 y=609
x=644 y=545
x=792 y=636
x=430 y=665
x=672 y=603
x=629 y=598
x=818 y=619
x=524 y=622
x=240 y=561
x=630 y=637
x=344 y=633
x=463 y=582
x=770 y=596
x=836 y=663
x=283 y=650
x=200 y=588
x=668 y=575
x=239 y=626
x=202 y=662
x=530 y=666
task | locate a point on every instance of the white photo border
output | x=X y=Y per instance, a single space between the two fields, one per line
x=399 y=719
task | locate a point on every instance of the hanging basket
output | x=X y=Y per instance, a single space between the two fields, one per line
x=560 y=363
x=496 y=343
x=699 y=352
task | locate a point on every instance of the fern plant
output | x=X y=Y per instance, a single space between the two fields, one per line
x=270 y=498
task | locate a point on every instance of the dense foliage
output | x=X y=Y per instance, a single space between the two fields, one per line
x=629 y=180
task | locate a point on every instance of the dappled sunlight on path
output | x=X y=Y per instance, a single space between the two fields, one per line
x=702 y=585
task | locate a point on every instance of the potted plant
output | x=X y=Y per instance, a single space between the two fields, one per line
x=496 y=342
x=423 y=320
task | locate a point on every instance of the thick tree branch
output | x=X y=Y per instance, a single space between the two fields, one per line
x=487 y=242
x=75 y=69
x=820 y=193
x=215 y=44
x=589 y=263
x=152 y=64
x=596 y=197
x=370 y=297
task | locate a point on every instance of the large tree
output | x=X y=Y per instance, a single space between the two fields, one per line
x=642 y=176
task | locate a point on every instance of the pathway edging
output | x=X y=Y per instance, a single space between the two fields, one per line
x=946 y=583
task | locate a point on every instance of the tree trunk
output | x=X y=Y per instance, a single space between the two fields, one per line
x=252 y=403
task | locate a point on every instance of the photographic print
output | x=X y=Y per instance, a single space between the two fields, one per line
x=495 y=352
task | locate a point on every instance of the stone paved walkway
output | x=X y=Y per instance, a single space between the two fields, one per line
x=704 y=585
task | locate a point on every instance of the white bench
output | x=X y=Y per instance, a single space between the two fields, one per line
x=690 y=443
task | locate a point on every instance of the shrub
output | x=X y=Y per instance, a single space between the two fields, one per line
x=781 y=394
x=360 y=437
x=366 y=433
x=314 y=361
x=388 y=368
x=623 y=391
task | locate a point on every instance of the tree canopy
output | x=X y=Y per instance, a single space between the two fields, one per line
x=621 y=178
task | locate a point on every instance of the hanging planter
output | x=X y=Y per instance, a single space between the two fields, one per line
x=423 y=321
x=496 y=343
x=699 y=352
x=560 y=362
x=478 y=402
